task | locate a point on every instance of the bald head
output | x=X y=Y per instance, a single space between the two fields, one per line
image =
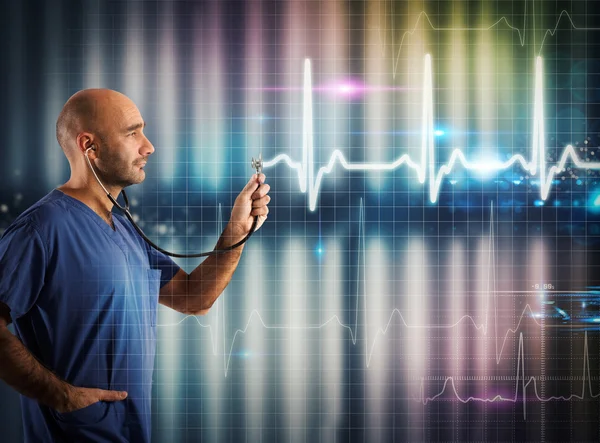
x=89 y=110
x=113 y=125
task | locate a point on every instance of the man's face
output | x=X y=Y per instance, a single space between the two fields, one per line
x=123 y=148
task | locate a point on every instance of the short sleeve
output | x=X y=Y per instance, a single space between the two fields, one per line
x=23 y=261
x=164 y=263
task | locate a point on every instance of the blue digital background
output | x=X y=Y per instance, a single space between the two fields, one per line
x=489 y=279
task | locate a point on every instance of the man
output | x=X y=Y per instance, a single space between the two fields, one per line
x=82 y=287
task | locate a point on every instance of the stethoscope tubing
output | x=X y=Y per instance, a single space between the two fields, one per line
x=127 y=213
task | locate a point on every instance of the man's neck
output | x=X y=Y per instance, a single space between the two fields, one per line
x=93 y=197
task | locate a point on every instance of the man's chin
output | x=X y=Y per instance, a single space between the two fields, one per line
x=139 y=177
x=135 y=180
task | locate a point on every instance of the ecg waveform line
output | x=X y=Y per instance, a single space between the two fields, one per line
x=483 y=326
x=525 y=382
x=426 y=167
x=424 y=18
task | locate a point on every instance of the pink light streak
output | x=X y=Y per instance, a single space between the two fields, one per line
x=348 y=88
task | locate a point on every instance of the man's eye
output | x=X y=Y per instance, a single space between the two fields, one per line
x=132 y=133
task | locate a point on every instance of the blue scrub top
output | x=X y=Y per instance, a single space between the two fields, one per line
x=83 y=300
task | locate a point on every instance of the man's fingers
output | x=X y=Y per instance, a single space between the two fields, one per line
x=261 y=192
x=259 y=202
x=111 y=395
x=250 y=187
x=264 y=210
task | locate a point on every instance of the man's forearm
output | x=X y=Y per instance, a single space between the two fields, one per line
x=210 y=278
x=22 y=371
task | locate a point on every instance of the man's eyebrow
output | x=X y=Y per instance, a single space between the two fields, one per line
x=135 y=126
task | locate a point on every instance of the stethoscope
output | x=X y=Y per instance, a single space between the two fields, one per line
x=256 y=164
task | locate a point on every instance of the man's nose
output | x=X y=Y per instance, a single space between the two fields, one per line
x=147 y=148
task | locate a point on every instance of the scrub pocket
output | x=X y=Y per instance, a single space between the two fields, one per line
x=89 y=415
x=96 y=423
x=153 y=290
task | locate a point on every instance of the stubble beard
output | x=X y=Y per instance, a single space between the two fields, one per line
x=115 y=174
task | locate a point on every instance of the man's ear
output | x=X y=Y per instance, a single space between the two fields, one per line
x=85 y=141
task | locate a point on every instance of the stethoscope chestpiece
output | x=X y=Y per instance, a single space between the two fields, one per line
x=257 y=164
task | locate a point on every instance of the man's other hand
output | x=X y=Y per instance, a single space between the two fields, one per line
x=79 y=398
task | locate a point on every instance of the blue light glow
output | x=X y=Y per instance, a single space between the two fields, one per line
x=593 y=202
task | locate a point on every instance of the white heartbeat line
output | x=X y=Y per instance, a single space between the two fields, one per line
x=521 y=33
x=426 y=167
x=483 y=327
